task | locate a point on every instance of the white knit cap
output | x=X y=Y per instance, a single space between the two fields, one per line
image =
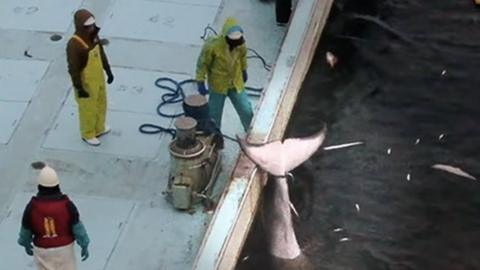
x=235 y=35
x=48 y=177
x=89 y=21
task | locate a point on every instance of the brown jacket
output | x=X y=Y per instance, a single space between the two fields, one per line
x=77 y=54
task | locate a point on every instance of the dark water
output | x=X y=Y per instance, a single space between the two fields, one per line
x=388 y=90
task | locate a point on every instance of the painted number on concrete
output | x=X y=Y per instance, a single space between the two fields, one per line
x=167 y=21
x=26 y=10
x=133 y=89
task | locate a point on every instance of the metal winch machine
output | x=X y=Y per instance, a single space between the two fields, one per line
x=194 y=159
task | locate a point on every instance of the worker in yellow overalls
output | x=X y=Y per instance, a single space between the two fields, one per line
x=86 y=62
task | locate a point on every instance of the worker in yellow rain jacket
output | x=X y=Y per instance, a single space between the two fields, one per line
x=86 y=62
x=223 y=61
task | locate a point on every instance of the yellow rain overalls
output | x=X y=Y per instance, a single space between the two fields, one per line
x=92 y=110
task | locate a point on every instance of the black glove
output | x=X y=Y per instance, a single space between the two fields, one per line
x=85 y=254
x=245 y=75
x=82 y=93
x=29 y=250
x=202 y=89
x=109 y=77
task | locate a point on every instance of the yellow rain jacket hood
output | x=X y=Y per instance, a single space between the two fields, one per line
x=222 y=67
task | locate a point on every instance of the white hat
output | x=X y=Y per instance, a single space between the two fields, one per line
x=89 y=21
x=235 y=35
x=48 y=177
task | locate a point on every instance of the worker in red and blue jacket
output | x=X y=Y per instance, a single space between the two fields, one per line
x=51 y=221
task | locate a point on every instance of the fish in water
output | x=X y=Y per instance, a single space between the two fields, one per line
x=453 y=170
x=278 y=159
x=331 y=59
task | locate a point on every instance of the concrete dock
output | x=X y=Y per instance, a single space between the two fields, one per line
x=119 y=186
